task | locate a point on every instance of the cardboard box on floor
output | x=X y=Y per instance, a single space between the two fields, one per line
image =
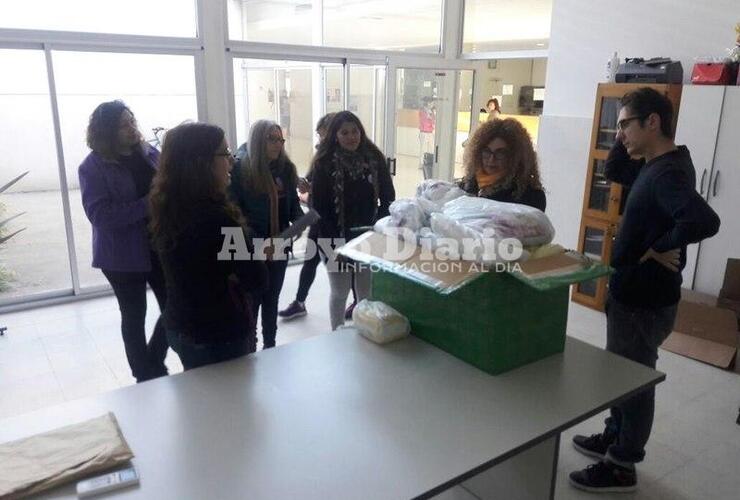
x=706 y=329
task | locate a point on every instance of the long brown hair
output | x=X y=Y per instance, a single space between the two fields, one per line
x=102 y=129
x=330 y=144
x=256 y=166
x=185 y=179
x=522 y=169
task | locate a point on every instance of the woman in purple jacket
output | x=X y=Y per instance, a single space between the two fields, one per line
x=114 y=180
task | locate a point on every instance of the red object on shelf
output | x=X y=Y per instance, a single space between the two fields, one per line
x=712 y=74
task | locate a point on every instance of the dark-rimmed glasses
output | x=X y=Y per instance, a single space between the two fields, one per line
x=622 y=124
x=498 y=155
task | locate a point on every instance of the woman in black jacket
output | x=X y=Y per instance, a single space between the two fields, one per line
x=351 y=188
x=264 y=187
x=207 y=316
x=500 y=164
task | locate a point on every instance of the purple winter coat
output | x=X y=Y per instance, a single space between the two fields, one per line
x=120 y=238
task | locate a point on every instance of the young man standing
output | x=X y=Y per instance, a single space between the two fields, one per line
x=662 y=215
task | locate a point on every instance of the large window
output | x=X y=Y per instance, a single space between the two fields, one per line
x=494 y=25
x=159 y=89
x=425 y=120
x=132 y=17
x=411 y=25
x=367 y=99
x=35 y=260
x=294 y=94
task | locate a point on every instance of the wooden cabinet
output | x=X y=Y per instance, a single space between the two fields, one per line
x=595 y=242
x=603 y=200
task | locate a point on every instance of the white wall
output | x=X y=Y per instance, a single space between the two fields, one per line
x=583 y=37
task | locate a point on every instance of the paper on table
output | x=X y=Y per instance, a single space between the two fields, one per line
x=47 y=460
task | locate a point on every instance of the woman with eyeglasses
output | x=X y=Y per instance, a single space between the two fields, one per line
x=264 y=186
x=114 y=183
x=500 y=164
x=208 y=314
x=351 y=189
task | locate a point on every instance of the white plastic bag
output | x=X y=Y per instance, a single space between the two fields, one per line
x=434 y=193
x=408 y=213
x=379 y=322
x=506 y=220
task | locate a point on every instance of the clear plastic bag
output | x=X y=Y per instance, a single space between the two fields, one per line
x=407 y=212
x=379 y=322
x=434 y=193
x=503 y=220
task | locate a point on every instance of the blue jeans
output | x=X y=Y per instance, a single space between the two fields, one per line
x=194 y=355
x=634 y=333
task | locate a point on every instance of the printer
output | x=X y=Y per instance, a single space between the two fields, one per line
x=655 y=70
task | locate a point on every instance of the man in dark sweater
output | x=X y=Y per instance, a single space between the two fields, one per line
x=662 y=215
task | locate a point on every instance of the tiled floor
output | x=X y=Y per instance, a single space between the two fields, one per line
x=65 y=352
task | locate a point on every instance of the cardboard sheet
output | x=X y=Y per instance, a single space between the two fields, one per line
x=703 y=332
x=47 y=460
x=448 y=276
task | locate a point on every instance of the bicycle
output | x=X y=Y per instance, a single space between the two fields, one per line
x=157 y=140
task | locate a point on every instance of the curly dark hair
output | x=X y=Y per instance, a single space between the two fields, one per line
x=186 y=178
x=522 y=169
x=102 y=129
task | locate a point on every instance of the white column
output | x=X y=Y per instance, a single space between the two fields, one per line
x=212 y=25
x=452 y=28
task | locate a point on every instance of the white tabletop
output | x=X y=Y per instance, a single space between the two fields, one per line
x=337 y=416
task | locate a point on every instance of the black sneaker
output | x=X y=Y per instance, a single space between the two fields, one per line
x=594 y=446
x=294 y=310
x=604 y=477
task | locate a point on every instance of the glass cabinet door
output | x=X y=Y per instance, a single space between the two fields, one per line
x=595 y=243
x=599 y=190
x=608 y=113
x=593 y=248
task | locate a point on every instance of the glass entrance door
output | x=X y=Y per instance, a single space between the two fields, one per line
x=426 y=126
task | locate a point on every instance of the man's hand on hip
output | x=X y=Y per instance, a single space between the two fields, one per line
x=670 y=259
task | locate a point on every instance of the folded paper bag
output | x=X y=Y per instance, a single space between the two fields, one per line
x=44 y=461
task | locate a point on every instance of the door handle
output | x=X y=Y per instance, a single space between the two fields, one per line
x=701 y=184
x=714 y=186
x=436 y=154
x=391 y=165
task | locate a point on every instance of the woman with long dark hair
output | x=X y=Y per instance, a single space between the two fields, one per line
x=501 y=164
x=208 y=314
x=351 y=188
x=264 y=187
x=114 y=182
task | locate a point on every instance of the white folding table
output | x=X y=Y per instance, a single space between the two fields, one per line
x=338 y=417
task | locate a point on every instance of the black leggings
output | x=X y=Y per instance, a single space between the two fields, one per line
x=146 y=360
x=268 y=300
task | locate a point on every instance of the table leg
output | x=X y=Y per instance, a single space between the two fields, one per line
x=529 y=475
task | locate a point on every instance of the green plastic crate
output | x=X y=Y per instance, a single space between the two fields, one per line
x=495 y=322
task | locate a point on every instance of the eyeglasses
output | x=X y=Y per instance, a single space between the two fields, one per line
x=275 y=140
x=498 y=155
x=622 y=124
